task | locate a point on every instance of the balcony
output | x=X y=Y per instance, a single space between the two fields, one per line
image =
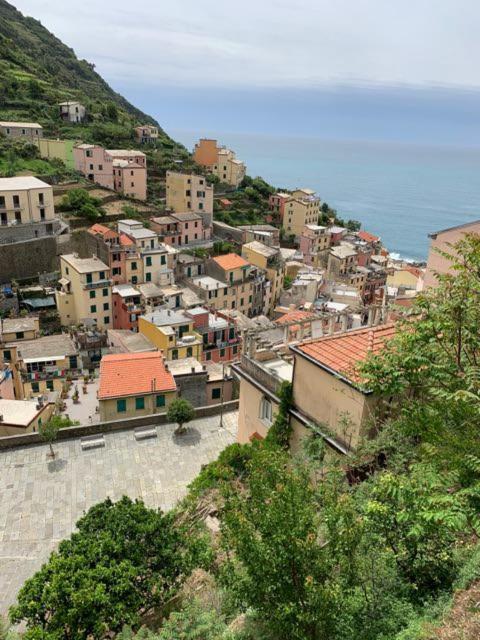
x=49 y=374
x=266 y=377
x=97 y=284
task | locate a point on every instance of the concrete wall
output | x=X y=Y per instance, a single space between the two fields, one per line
x=27 y=439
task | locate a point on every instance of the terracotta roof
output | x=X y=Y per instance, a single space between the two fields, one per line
x=225 y=202
x=368 y=237
x=125 y=240
x=342 y=353
x=415 y=271
x=128 y=374
x=231 y=261
x=296 y=314
x=100 y=229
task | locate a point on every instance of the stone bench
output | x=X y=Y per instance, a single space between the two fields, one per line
x=142 y=433
x=92 y=442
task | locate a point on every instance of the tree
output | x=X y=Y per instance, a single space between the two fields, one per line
x=181 y=412
x=123 y=561
x=49 y=430
x=279 y=565
x=280 y=431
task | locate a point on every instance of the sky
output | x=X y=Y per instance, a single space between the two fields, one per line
x=364 y=68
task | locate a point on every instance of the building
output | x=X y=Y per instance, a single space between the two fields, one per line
x=84 y=296
x=117 y=250
x=342 y=259
x=269 y=259
x=23 y=416
x=181 y=229
x=406 y=278
x=146 y=134
x=441 y=241
x=189 y=193
x=29 y=131
x=133 y=385
x=172 y=332
x=314 y=240
x=127 y=307
x=122 y=170
x=221 y=340
x=276 y=204
x=239 y=277
x=265 y=233
x=58 y=149
x=220 y=161
x=41 y=366
x=26 y=209
x=327 y=388
x=72 y=111
x=202 y=384
x=14 y=329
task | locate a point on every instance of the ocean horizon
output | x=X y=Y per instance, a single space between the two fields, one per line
x=401 y=191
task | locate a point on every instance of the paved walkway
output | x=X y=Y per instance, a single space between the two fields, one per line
x=41 y=500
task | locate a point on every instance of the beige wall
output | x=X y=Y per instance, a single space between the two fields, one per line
x=108 y=408
x=182 y=190
x=298 y=213
x=30 y=205
x=436 y=262
x=402 y=278
x=325 y=400
x=249 y=421
x=131 y=181
x=42 y=417
x=29 y=133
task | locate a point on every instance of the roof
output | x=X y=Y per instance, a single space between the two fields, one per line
x=295 y=315
x=22 y=125
x=142 y=233
x=84 y=265
x=343 y=251
x=19 y=413
x=129 y=341
x=185 y=366
x=231 y=261
x=123 y=164
x=475 y=223
x=186 y=217
x=341 y=354
x=125 y=290
x=129 y=374
x=14 y=325
x=48 y=347
x=258 y=227
x=336 y=229
x=69 y=103
x=261 y=248
x=368 y=237
x=102 y=230
x=22 y=182
x=125 y=153
x=150 y=290
x=164 y=317
x=125 y=241
x=164 y=220
x=209 y=283
x=39 y=303
x=225 y=201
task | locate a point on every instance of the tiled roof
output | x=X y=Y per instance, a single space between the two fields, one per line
x=127 y=374
x=293 y=316
x=100 y=229
x=231 y=261
x=125 y=240
x=368 y=237
x=342 y=353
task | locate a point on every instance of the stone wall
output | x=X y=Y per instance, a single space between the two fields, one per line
x=26 y=439
x=193 y=388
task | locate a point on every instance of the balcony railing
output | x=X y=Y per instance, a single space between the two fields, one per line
x=34 y=376
x=262 y=375
x=97 y=284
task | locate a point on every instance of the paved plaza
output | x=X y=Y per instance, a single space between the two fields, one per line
x=41 y=499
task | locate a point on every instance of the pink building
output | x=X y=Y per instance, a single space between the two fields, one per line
x=221 y=339
x=313 y=240
x=126 y=307
x=123 y=170
x=180 y=229
x=276 y=204
x=115 y=249
x=441 y=240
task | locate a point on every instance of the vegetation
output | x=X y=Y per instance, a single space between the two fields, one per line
x=79 y=202
x=20 y=157
x=49 y=430
x=180 y=411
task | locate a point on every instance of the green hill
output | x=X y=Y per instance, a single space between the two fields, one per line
x=37 y=71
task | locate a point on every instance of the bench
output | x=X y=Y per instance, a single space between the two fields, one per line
x=92 y=442
x=142 y=433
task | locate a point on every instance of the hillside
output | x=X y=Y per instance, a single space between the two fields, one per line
x=37 y=71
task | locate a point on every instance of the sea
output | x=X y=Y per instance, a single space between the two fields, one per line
x=401 y=192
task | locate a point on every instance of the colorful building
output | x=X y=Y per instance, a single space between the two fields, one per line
x=190 y=193
x=127 y=307
x=29 y=131
x=220 y=161
x=172 y=332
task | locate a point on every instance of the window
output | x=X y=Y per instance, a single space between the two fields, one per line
x=231 y=333
x=7 y=355
x=121 y=405
x=216 y=393
x=89 y=278
x=106 y=320
x=208 y=355
x=35 y=387
x=42 y=214
x=186 y=225
x=101 y=275
x=266 y=410
x=163 y=259
x=189 y=352
x=148 y=277
x=225 y=291
x=174 y=354
x=222 y=353
x=105 y=306
x=134 y=266
x=50 y=385
x=16 y=201
x=100 y=167
x=20 y=335
x=92 y=294
x=139 y=403
x=234 y=350
x=91 y=167
x=134 y=279
x=160 y=401
x=41 y=198
x=93 y=308
x=200 y=205
x=149 y=261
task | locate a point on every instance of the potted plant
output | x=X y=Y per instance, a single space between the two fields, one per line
x=75 y=396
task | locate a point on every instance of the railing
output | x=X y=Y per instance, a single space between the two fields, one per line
x=97 y=284
x=33 y=376
x=265 y=377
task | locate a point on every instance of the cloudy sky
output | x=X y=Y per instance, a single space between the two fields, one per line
x=271 y=43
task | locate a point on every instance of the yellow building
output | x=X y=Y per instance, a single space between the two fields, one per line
x=270 y=260
x=172 y=332
x=302 y=208
x=59 y=149
x=23 y=416
x=220 y=161
x=134 y=385
x=85 y=296
x=189 y=192
x=236 y=273
x=406 y=278
x=13 y=329
x=42 y=365
x=25 y=200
